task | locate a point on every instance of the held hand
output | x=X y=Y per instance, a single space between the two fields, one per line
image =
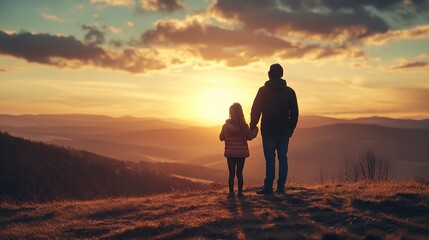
x=255 y=131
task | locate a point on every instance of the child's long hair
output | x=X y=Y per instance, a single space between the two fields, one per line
x=237 y=117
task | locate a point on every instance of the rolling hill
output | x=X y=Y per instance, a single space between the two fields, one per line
x=34 y=171
x=325 y=146
x=319 y=143
x=50 y=121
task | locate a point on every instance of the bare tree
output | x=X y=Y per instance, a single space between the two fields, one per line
x=372 y=167
x=368 y=166
x=383 y=168
x=356 y=172
x=345 y=168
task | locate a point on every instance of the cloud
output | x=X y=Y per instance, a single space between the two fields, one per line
x=2 y=69
x=304 y=20
x=61 y=51
x=162 y=5
x=418 y=32
x=41 y=47
x=407 y=65
x=145 y=5
x=322 y=19
x=236 y=47
x=96 y=35
x=382 y=5
x=113 y=30
x=237 y=33
x=53 y=18
x=114 y=2
x=93 y=36
x=117 y=43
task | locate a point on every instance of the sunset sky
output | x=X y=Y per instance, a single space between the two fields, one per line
x=191 y=59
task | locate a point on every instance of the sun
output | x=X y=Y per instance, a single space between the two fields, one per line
x=213 y=104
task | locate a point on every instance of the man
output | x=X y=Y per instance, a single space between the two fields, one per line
x=279 y=108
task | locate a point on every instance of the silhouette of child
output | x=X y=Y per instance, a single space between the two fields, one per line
x=235 y=132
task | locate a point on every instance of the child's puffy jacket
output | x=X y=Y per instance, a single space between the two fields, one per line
x=236 y=140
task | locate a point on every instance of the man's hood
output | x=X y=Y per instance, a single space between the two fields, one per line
x=275 y=84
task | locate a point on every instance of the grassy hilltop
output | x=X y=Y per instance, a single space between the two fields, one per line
x=334 y=211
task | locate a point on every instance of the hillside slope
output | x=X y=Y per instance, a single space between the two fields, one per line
x=338 y=211
x=34 y=171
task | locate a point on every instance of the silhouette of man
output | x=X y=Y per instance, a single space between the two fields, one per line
x=279 y=108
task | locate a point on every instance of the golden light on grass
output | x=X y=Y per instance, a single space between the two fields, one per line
x=344 y=211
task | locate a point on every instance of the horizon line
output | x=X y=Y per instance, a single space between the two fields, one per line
x=194 y=120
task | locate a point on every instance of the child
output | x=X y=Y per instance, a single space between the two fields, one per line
x=235 y=132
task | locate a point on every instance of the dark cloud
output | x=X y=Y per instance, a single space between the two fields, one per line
x=159 y=5
x=117 y=43
x=408 y=65
x=349 y=19
x=355 y=4
x=382 y=5
x=43 y=47
x=214 y=43
x=400 y=12
x=336 y=5
x=193 y=32
x=142 y=6
x=96 y=35
x=93 y=35
x=63 y=51
x=234 y=46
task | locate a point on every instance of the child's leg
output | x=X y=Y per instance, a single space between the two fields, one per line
x=231 y=167
x=240 y=166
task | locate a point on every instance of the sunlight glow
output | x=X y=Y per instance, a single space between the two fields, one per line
x=213 y=104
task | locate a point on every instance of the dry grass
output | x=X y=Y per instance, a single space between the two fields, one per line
x=333 y=211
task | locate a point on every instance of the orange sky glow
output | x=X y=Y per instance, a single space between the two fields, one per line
x=190 y=61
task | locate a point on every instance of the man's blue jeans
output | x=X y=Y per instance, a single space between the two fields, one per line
x=271 y=144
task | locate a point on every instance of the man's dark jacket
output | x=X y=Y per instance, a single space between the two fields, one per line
x=279 y=108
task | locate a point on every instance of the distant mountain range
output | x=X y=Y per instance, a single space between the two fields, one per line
x=316 y=121
x=319 y=143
